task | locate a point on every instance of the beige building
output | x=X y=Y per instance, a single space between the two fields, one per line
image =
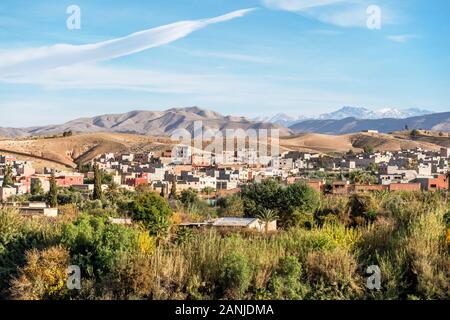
x=6 y=193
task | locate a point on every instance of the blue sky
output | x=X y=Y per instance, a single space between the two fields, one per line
x=293 y=56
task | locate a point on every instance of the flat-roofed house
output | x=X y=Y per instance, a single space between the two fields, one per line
x=236 y=223
x=32 y=208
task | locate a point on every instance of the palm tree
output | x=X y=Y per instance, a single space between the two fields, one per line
x=112 y=192
x=267 y=216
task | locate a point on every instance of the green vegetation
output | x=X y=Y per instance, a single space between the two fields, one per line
x=97 y=184
x=231 y=206
x=290 y=203
x=7 y=179
x=321 y=252
x=36 y=187
x=52 y=196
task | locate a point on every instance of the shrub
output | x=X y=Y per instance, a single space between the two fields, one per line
x=426 y=249
x=43 y=276
x=234 y=275
x=152 y=211
x=96 y=246
x=300 y=199
x=332 y=274
x=188 y=197
x=231 y=206
x=362 y=208
x=285 y=283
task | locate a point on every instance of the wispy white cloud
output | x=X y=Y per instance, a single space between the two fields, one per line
x=342 y=13
x=402 y=38
x=60 y=55
x=298 y=5
x=230 y=56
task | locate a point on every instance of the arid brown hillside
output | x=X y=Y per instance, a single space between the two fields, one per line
x=66 y=152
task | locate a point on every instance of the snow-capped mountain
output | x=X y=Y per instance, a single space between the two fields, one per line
x=363 y=113
x=287 y=120
x=281 y=119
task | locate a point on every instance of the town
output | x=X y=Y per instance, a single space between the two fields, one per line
x=180 y=169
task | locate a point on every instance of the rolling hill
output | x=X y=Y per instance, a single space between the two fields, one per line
x=66 y=152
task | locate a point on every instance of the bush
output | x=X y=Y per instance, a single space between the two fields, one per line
x=231 y=206
x=97 y=246
x=285 y=283
x=188 y=197
x=362 y=208
x=333 y=274
x=153 y=212
x=234 y=275
x=300 y=199
x=43 y=277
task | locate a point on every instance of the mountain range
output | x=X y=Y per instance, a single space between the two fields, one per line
x=154 y=123
x=435 y=122
x=288 y=120
x=164 y=123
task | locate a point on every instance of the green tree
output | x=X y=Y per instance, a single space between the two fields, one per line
x=231 y=206
x=267 y=216
x=361 y=177
x=297 y=199
x=52 y=196
x=152 y=211
x=97 y=183
x=188 y=197
x=112 y=193
x=258 y=196
x=8 y=178
x=36 y=187
x=173 y=188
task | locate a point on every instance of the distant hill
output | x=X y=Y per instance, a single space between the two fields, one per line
x=154 y=123
x=435 y=121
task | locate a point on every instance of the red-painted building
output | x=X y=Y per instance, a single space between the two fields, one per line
x=69 y=180
x=134 y=182
x=438 y=182
x=404 y=187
